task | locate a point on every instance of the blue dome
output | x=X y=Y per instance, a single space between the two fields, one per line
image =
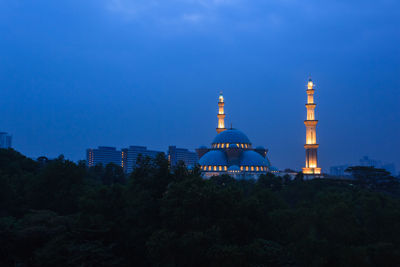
x=213 y=158
x=234 y=168
x=231 y=136
x=251 y=158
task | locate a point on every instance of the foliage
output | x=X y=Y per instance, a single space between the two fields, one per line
x=63 y=214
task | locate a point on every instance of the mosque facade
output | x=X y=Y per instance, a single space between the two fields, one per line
x=232 y=153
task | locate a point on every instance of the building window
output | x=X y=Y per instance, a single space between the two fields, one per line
x=242 y=145
x=222 y=145
x=252 y=168
x=220 y=168
x=227 y=145
x=215 y=168
x=257 y=168
x=247 y=168
x=241 y=168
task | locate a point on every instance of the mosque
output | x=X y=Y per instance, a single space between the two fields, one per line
x=232 y=153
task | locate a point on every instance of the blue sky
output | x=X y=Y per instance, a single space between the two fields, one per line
x=78 y=74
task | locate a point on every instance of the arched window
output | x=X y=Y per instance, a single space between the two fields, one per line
x=241 y=168
x=220 y=168
x=257 y=168
x=215 y=168
x=222 y=145
x=247 y=168
x=252 y=168
x=225 y=168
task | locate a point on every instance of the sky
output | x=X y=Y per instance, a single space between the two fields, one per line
x=76 y=74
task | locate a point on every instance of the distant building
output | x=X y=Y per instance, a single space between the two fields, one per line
x=5 y=140
x=103 y=155
x=131 y=154
x=176 y=155
x=366 y=162
x=339 y=170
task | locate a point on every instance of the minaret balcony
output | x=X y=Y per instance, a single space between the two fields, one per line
x=310 y=122
x=311 y=146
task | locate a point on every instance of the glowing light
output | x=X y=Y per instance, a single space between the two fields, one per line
x=310 y=85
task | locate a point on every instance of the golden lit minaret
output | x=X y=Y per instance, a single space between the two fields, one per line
x=311 y=145
x=221 y=114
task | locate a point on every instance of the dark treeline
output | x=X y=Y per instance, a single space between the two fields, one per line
x=63 y=214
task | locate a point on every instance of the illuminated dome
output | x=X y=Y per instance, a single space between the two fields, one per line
x=231 y=136
x=251 y=158
x=234 y=168
x=213 y=158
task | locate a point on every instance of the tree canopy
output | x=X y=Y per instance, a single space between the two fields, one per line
x=64 y=214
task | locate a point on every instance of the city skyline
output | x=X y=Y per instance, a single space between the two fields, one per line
x=109 y=76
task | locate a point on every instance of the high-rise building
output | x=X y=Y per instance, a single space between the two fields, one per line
x=131 y=154
x=176 y=155
x=311 y=145
x=103 y=155
x=5 y=140
x=221 y=114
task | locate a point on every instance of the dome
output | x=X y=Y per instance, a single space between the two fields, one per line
x=231 y=136
x=251 y=158
x=234 y=168
x=213 y=158
x=273 y=169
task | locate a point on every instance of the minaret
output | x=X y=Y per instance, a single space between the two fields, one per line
x=221 y=114
x=311 y=145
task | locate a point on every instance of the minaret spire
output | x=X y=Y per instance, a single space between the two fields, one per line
x=311 y=145
x=221 y=114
